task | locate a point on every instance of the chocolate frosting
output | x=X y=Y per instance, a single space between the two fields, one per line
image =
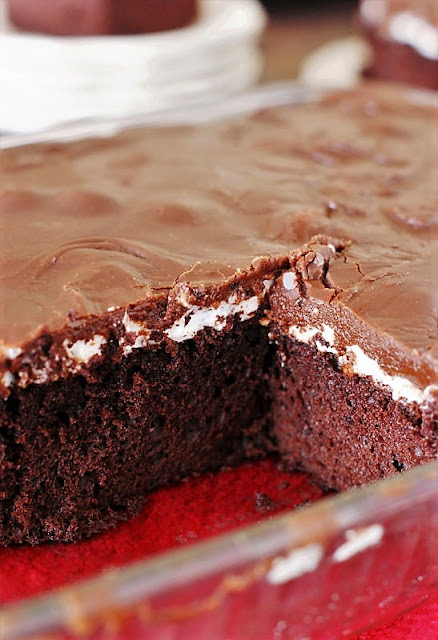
x=99 y=224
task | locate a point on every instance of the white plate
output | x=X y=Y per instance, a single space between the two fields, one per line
x=255 y=99
x=48 y=80
x=220 y=24
x=336 y=64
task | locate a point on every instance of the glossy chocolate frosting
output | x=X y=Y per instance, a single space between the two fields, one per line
x=99 y=224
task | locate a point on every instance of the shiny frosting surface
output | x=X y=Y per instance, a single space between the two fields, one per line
x=102 y=223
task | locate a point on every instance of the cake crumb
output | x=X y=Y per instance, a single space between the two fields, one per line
x=263 y=502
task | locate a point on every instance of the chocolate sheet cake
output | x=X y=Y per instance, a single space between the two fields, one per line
x=178 y=299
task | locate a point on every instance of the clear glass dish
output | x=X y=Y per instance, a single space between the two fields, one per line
x=321 y=572
x=326 y=571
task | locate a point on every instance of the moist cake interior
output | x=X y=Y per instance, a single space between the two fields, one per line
x=177 y=300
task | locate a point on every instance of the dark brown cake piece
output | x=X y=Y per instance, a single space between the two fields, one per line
x=178 y=299
x=344 y=408
x=100 y=17
x=403 y=35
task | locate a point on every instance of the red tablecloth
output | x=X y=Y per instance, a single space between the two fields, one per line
x=421 y=624
x=181 y=515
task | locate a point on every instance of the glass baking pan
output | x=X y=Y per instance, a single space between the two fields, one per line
x=324 y=571
x=321 y=572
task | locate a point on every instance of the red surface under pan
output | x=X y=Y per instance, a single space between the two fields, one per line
x=179 y=516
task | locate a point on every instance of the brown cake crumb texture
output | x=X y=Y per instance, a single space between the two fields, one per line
x=177 y=300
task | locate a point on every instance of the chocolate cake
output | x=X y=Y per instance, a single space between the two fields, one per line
x=100 y=17
x=403 y=35
x=179 y=299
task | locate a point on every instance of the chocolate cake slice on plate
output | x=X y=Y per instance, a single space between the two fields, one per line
x=403 y=35
x=179 y=299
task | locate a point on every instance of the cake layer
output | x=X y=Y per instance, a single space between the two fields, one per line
x=79 y=455
x=342 y=429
